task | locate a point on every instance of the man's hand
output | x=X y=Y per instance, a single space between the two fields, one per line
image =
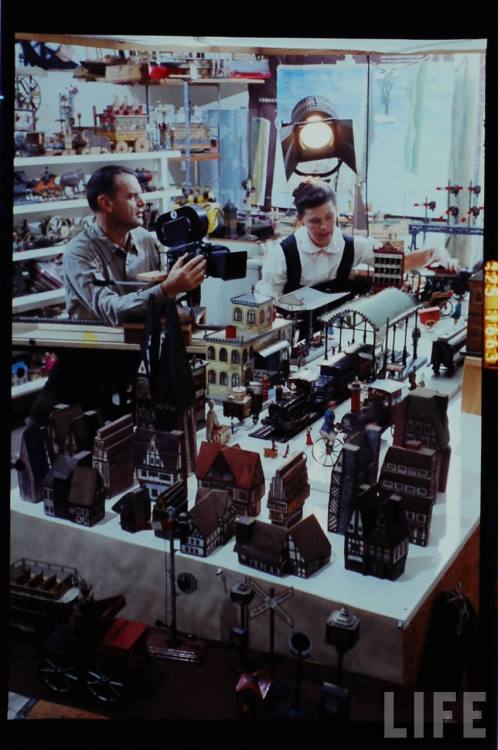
x=184 y=276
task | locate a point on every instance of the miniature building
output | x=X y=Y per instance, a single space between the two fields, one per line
x=57 y=483
x=376 y=540
x=212 y=522
x=160 y=459
x=175 y=497
x=475 y=314
x=60 y=435
x=289 y=489
x=262 y=546
x=84 y=429
x=86 y=499
x=33 y=464
x=114 y=455
x=233 y=469
x=134 y=510
x=199 y=378
x=356 y=464
x=422 y=415
x=309 y=548
x=253 y=341
x=389 y=265
x=411 y=472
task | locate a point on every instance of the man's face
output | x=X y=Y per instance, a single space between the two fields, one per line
x=125 y=207
x=320 y=223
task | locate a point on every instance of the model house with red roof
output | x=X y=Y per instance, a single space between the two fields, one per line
x=233 y=469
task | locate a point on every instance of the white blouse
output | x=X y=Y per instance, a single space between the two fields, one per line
x=317 y=264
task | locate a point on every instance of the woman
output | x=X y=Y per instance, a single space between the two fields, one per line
x=317 y=254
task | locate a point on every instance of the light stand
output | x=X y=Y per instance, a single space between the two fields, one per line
x=173 y=646
x=300 y=648
x=241 y=593
x=343 y=632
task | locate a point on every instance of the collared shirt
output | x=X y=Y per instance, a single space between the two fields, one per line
x=92 y=256
x=317 y=264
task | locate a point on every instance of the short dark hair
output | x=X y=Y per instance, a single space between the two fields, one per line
x=312 y=193
x=102 y=181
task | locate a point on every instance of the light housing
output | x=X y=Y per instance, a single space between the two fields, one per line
x=315 y=133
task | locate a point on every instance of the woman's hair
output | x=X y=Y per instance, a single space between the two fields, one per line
x=311 y=193
x=102 y=181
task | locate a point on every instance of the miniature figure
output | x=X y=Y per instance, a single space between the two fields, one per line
x=327 y=430
x=212 y=422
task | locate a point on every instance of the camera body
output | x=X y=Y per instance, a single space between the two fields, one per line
x=183 y=231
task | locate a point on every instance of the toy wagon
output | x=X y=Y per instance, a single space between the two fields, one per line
x=126 y=132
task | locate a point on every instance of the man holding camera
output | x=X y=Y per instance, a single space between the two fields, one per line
x=113 y=248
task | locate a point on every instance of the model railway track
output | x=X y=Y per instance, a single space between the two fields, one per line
x=268 y=432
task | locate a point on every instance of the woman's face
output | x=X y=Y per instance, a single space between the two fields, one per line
x=320 y=223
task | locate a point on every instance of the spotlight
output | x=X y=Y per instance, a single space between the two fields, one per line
x=316 y=134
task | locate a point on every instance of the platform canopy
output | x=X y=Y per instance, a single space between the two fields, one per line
x=388 y=306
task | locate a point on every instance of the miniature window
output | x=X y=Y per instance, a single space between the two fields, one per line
x=223 y=354
x=390 y=466
x=223 y=378
x=262 y=315
x=401 y=469
x=411 y=471
x=237 y=314
x=162 y=476
x=398 y=486
x=211 y=376
x=388 y=484
x=251 y=316
x=235 y=380
x=422 y=491
x=210 y=353
x=410 y=488
x=235 y=357
x=423 y=473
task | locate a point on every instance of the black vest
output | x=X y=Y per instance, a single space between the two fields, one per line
x=293 y=261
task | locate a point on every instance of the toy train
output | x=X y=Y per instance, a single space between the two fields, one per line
x=309 y=396
x=447 y=350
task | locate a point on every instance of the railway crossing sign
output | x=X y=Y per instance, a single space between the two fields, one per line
x=271 y=602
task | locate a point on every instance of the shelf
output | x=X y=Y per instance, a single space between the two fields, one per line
x=32 y=386
x=39 y=254
x=197 y=157
x=49 y=206
x=33 y=161
x=39 y=299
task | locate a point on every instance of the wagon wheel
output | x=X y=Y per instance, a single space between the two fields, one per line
x=105 y=681
x=446 y=309
x=141 y=144
x=59 y=226
x=27 y=93
x=121 y=147
x=326 y=454
x=61 y=675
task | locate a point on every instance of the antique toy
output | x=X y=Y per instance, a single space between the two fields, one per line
x=86 y=500
x=160 y=459
x=289 y=489
x=60 y=434
x=114 y=455
x=422 y=415
x=134 y=510
x=411 y=472
x=356 y=464
x=376 y=538
x=33 y=463
x=242 y=594
x=236 y=470
x=447 y=350
x=309 y=548
x=389 y=263
x=174 y=498
x=211 y=522
x=57 y=483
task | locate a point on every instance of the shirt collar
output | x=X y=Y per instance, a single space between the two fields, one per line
x=97 y=231
x=336 y=244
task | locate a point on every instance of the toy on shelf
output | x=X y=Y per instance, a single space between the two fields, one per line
x=114 y=454
x=447 y=350
x=124 y=125
x=211 y=522
x=389 y=265
x=134 y=510
x=215 y=431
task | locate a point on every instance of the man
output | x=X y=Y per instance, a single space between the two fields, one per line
x=113 y=248
x=317 y=254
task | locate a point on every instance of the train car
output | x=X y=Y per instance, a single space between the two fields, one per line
x=447 y=350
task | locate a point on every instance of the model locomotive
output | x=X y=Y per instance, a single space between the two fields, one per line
x=308 y=397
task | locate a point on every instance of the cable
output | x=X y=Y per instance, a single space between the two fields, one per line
x=367 y=138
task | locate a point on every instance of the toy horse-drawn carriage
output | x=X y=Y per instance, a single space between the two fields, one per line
x=81 y=640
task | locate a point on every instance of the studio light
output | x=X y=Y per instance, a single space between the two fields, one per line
x=316 y=134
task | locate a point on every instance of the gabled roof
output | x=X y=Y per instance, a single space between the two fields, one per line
x=252 y=299
x=168 y=445
x=33 y=449
x=426 y=405
x=310 y=539
x=62 y=468
x=85 y=484
x=206 y=513
x=137 y=494
x=242 y=464
x=421 y=457
x=267 y=543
